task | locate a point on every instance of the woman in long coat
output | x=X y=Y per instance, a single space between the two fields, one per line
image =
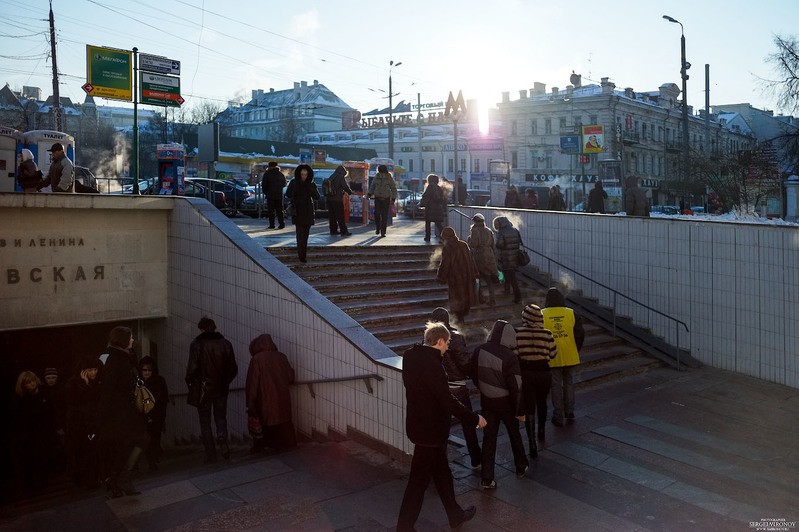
x=267 y=393
x=508 y=243
x=435 y=206
x=148 y=371
x=82 y=396
x=481 y=242
x=459 y=272
x=302 y=193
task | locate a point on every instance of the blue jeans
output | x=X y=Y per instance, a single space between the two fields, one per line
x=219 y=405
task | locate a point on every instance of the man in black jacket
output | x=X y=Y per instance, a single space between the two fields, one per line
x=212 y=360
x=457 y=363
x=272 y=186
x=430 y=406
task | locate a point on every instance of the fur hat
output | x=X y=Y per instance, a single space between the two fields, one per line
x=479 y=218
x=532 y=315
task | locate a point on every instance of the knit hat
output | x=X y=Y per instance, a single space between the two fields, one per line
x=272 y=164
x=440 y=314
x=50 y=371
x=90 y=362
x=531 y=315
x=479 y=218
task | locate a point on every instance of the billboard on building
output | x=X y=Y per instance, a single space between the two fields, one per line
x=593 y=139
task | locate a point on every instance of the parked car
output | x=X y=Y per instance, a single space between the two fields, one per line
x=402 y=195
x=478 y=198
x=85 y=180
x=665 y=209
x=411 y=205
x=234 y=194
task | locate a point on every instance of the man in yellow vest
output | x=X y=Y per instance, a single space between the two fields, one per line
x=567 y=329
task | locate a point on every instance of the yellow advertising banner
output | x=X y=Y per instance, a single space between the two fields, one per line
x=593 y=139
x=109 y=73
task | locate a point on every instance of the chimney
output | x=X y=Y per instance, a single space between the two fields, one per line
x=505 y=97
x=607 y=86
x=271 y=89
x=629 y=92
x=539 y=88
x=303 y=84
x=296 y=85
x=523 y=94
x=316 y=82
x=569 y=91
x=254 y=94
x=554 y=91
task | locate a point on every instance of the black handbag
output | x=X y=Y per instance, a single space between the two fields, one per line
x=198 y=391
x=522 y=257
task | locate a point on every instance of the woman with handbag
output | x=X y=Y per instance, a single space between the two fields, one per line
x=508 y=243
x=435 y=206
x=156 y=419
x=302 y=193
x=268 y=397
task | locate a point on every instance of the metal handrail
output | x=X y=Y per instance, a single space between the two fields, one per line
x=366 y=379
x=616 y=293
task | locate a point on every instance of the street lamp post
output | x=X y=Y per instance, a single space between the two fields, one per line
x=685 y=65
x=391 y=65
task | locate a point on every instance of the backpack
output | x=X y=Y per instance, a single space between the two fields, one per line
x=327 y=187
x=143 y=398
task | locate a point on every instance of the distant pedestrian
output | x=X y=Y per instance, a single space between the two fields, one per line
x=458 y=365
x=213 y=362
x=567 y=329
x=268 y=396
x=512 y=199
x=31 y=430
x=28 y=174
x=596 y=199
x=508 y=244
x=82 y=398
x=384 y=191
x=61 y=175
x=53 y=390
x=303 y=194
x=556 y=201
x=458 y=271
x=435 y=206
x=462 y=191
x=481 y=242
x=500 y=382
x=635 y=202
x=335 y=201
x=430 y=406
x=272 y=187
x=531 y=199
x=536 y=347
x=156 y=419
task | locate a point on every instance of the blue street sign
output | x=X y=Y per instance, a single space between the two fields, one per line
x=570 y=143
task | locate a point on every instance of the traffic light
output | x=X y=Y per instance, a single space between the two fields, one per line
x=584 y=159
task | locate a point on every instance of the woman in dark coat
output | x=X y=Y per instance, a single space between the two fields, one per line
x=28 y=174
x=508 y=243
x=32 y=433
x=596 y=199
x=459 y=272
x=267 y=393
x=435 y=206
x=148 y=371
x=481 y=242
x=82 y=396
x=122 y=430
x=302 y=193
x=512 y=199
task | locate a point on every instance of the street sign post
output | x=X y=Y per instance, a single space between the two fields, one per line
x=109 y=73
x=158 y=64
x=160 y=90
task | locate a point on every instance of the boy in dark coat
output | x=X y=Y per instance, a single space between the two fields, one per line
x=272 y=186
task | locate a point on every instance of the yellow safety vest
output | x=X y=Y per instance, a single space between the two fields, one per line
x=560 y=321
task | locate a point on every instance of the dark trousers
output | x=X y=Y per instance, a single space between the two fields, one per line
x=439 y=228
x=154 y=451
x=219 y=406
x=275 y=206
x=469 y=430
x=490 y=432
x=427 y=463
x=535 y=389
x=511 y=283
x=302 y=239
x=381 y=214
x=335 y=214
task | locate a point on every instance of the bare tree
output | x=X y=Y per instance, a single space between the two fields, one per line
x=786 y=90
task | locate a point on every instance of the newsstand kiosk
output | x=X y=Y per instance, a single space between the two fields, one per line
x=10 y=144
x=171 y=169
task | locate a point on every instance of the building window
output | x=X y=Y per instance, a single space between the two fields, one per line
x=533 y=159
x=513 y=129
x=432 y=166
x=548 y=126
x=476 y=165
x=399 y=162
x=410 y=165
x=463 y=166
x=450 y=165
x=514 y=159
x=643 y=131
x=562 y=125
x=593 y=120
x=534 y=126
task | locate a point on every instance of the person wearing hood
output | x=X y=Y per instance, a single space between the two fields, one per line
x=556 y=201
x=384 y=191
x=635 y=202
x=458 y=365
x=458 y=271
x=512 y=199
x=28 y=174
x=303 y=194
x=508 y=243
x=500 y=382
x=212 y=361
x=430 y=407
x=481 y=242
x=82 y=396
x=567 y=329
x=272 y=186
x=335 y=201
x=156 y=419
x=268 y=396
x=536 y=347
x=596 y=199
x=435 y=206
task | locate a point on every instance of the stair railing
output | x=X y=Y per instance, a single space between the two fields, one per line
x=615 y=293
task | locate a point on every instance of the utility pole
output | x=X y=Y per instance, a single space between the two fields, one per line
x=56 y=95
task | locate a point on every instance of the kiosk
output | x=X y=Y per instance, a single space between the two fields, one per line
x=171 y=167
x=39 y=141
x=358 y=174
x=10 y=144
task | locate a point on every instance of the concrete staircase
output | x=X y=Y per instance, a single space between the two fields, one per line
x=391 y=291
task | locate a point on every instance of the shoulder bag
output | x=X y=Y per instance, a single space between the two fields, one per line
x=143 y=398
x=522 y=257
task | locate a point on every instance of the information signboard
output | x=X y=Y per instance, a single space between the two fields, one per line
x=160 y=90
x=109 y=73
x=158 y=64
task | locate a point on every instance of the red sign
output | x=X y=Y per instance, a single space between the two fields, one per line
x=88 y=87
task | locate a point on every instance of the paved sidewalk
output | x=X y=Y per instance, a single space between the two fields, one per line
x=702 y=450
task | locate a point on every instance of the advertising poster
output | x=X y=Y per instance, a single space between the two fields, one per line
x=109 y=73
x=593 y=139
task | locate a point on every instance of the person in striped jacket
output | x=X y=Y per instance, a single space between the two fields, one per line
x=535 y=347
